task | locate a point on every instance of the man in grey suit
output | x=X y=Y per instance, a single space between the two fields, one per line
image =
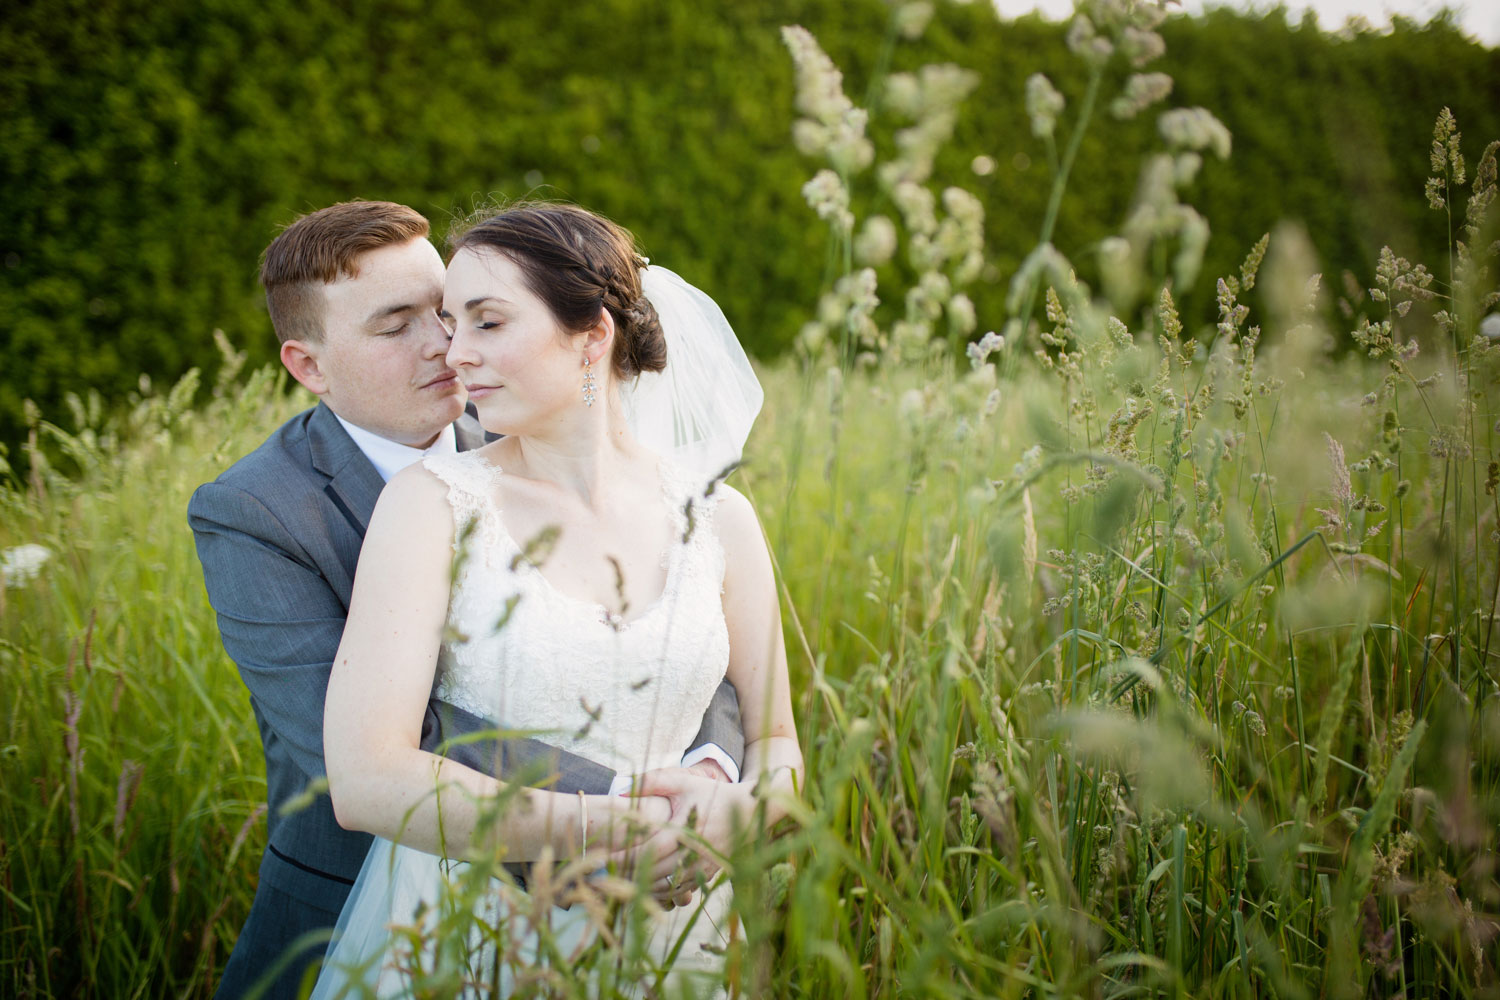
x=354 y=292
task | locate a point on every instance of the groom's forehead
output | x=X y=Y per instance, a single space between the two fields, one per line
x=387 y=281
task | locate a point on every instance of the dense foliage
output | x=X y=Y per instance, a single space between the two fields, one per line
x=148 y=151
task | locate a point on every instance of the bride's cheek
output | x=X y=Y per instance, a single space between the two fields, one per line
x=517 y=362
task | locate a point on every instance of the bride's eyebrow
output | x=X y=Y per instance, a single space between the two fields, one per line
x=473 y=304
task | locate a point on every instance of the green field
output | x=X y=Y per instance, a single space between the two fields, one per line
x=1128 y=660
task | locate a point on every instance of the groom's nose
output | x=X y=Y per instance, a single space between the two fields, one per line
x=434 y=337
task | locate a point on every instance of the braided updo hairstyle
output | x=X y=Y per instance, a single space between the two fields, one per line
x=577 y=262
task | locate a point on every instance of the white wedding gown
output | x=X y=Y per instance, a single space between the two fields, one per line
x=629 y=695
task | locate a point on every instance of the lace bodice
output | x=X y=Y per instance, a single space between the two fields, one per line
x=629 y=695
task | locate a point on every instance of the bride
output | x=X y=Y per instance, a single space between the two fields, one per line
x=584 y=576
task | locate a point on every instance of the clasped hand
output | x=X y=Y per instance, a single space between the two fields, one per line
x=686 y=851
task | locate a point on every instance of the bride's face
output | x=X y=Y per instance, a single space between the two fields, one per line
x=524 y=372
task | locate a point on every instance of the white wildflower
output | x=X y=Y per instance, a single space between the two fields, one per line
x=920 y=301
x=1117 y=266
x=848 y=149
x=903 y=94
x=833 y=124
x=1043 y=104
x=812 y=337
x=909 y=339
x=810 y=137
x=1490 y=326
x=1185 y=167
x=930 y=99
x=912 y=18
x=820 y=85
x=961 y=317
x=1141 y=47
x=963 y=206
x=918 y=206
x=859 y=289
x=1081 y=35
x=1141 y=91
x=1194 y=240
x=22 y=564
x=1194 y=128
x=944 y=85
x=876 y=242
x=828 y=196
x=980 y=351
x=831 y=307
x=935 y=285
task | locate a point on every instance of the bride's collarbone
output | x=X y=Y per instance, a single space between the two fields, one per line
x=615 y=556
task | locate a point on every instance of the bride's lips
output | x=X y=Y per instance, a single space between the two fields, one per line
x=444 y=382
x=481 y=391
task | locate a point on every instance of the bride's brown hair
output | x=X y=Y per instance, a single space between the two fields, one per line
x=577 y=263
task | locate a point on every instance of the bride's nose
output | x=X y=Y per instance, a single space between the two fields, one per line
x=461 y=349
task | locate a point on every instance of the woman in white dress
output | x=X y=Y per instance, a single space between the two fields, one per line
x=604 y=590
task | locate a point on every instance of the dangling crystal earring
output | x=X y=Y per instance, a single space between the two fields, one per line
x=590 y=387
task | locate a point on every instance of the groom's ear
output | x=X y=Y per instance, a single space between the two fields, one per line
x=301 y=359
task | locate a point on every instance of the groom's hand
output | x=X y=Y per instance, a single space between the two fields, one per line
x=707 y=812
x=710 y=769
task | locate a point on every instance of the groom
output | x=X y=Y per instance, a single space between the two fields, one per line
x=354 y=292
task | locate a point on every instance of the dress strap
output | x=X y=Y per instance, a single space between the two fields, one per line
x=691 y=508
x=471 y=483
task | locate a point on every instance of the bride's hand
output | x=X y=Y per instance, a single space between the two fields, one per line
x=705 y=816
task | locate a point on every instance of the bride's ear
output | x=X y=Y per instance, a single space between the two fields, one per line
x=599 y=339
x=301 y=359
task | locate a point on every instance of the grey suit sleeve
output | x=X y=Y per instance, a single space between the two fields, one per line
x=281 y=622
x=471 y=741
x=722 y=725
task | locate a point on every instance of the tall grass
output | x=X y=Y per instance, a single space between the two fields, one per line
x=1128 y=662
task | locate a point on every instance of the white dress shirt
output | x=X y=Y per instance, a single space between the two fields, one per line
x=390 y=457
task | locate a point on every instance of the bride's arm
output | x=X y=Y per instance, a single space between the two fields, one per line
x=757 y=653
x=379 y=780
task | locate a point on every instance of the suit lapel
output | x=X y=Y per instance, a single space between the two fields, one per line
x=353 y=484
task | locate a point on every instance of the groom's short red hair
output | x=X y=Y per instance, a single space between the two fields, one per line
x=319 y=248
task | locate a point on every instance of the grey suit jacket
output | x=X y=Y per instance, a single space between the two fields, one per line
x=279 y=536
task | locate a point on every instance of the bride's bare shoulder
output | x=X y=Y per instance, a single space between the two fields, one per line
x=736 y=521
x=416 y=483
x=415 y=496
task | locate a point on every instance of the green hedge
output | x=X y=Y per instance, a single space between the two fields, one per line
x=148 y=151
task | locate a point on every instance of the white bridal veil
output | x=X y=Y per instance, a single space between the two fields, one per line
x=698 y=410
